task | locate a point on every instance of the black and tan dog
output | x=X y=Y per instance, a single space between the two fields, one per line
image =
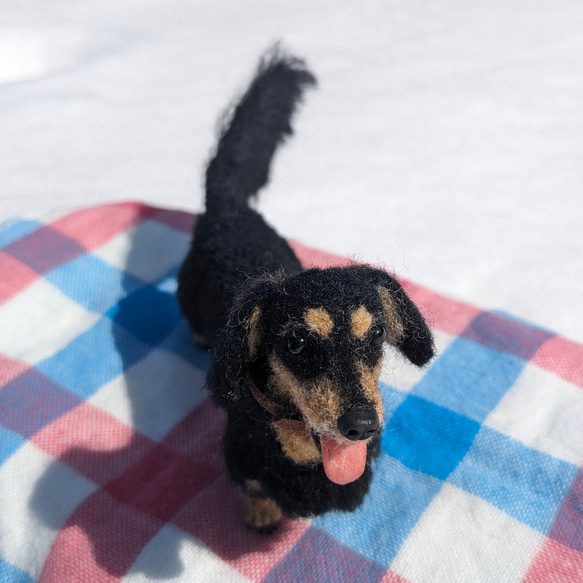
x=295 y=355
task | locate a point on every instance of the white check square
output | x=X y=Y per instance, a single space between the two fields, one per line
x=154 y=395
x=148 y=250
x=40 y=321
x=38 y=495
x=544 y=412
x=191 y=559
x=462 y=538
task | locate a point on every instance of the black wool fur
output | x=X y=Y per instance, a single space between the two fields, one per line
x=295 y=354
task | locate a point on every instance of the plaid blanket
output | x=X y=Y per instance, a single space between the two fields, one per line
x=110 y=463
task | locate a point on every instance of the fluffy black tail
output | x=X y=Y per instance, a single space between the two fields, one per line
x=259 y=123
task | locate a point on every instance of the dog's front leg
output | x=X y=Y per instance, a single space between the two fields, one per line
x=262 y=514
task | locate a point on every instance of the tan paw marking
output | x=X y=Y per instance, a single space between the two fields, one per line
x=261 y=514
x=253 y=486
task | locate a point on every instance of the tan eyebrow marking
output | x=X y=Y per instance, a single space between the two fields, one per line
x=318 y=320
x=360 y=322
x=254 y=331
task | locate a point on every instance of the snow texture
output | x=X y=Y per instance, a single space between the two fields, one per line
x=445 y=140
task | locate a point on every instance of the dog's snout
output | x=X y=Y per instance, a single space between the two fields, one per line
x=357 y=425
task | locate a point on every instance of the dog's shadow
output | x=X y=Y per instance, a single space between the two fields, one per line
x=164 y=489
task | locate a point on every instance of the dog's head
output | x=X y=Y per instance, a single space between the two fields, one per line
x=312 y=343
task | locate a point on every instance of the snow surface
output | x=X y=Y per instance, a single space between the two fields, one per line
x=445 y=140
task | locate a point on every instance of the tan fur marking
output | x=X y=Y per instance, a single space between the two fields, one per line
x=369 y=379
x=323 y=404
x=253 y=485
x=318 y=320
x=393 y=322
x=360 y=322
x=318 y=403
x=201 y=340
x=254 y=331
x=298 y=445
x=261 y=513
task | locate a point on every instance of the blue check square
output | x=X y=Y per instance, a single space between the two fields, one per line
x=9 y=443
x=469 y=378
x=148 y=313
x=397 y=498
x=94 y=358
x=526 y=484
x=17 y=229
x=93 y=283
x=392 y=398
x=428 y=438
x=12 y=574
x=181 y=343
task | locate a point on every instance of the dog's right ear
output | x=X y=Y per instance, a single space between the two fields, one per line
x=406 y=327
x=239 y=343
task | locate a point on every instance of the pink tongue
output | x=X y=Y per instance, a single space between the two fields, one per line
x=343 y=462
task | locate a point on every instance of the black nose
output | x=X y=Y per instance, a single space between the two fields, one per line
x=357 y=425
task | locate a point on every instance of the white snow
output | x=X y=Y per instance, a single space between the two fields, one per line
x=445 y=139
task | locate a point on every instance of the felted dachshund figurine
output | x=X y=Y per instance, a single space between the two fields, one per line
x=295 y=354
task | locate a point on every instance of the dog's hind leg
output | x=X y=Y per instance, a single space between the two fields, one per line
x=262 y=515
x=200 y=340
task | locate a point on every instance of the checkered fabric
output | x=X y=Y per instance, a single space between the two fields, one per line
x=110 y=464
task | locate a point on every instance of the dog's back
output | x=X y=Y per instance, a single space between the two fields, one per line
x=232 y=242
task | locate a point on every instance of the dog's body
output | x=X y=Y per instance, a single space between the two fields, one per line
x=295 y=355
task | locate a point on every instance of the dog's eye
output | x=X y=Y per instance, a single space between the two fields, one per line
x=378 y=335
x=296 y=344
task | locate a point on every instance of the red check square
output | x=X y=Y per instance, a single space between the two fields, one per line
x=162 y=482
x=15 y=276
x=93 y=442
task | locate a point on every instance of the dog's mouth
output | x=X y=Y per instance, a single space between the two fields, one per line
x=345 y=461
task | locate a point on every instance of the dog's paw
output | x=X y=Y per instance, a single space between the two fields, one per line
x=262 y=515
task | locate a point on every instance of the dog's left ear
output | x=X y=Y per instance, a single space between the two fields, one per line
x=405 y=326
x=239 y=343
